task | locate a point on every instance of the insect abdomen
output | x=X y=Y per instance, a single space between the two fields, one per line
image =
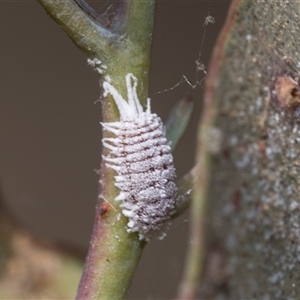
x=145 y=175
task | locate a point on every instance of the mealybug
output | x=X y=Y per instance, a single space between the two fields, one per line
x=140 y=154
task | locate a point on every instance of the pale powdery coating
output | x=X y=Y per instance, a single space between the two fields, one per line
x=140 y=154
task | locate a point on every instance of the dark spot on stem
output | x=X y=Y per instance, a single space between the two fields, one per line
x=104 y=208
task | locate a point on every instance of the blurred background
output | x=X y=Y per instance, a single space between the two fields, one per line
x=50 y=134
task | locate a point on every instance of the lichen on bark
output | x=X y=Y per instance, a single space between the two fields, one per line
x=253 y=220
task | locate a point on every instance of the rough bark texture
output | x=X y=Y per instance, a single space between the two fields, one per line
x=253 y=219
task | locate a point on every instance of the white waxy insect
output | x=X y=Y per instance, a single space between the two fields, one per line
x=140 y=155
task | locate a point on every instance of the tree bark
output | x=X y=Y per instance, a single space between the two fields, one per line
x=252 y=100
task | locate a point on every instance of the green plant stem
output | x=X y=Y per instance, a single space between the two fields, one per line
x=88 y=35
x=112 y=258
x=113 y=253
x=124 y=48
x=184 y=192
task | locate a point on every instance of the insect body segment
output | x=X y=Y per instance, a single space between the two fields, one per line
x=140 y=154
